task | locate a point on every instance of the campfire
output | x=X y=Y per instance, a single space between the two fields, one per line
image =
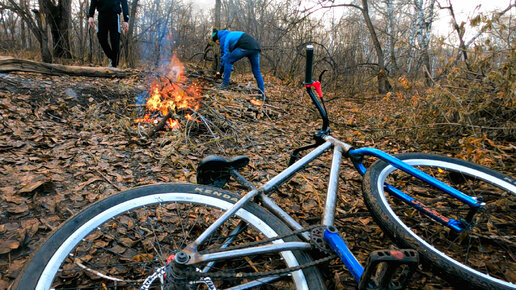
x=171 y=100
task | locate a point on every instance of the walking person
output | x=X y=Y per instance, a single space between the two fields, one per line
x=235 y=45
x=109 y=23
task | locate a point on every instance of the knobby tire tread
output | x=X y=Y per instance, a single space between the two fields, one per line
x=456 y=275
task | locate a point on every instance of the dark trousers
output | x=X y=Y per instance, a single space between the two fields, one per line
x=254 y=58
x=109 y=24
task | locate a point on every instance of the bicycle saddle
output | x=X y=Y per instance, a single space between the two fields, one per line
x=215 y=170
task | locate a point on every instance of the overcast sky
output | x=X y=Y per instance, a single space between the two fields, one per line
x=464 y=10
x=461 y=6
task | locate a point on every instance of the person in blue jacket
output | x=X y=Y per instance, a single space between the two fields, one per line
x=235 y=45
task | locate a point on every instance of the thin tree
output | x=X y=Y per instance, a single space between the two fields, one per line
x=383 y=81
x=425 y=18
x=59 y=17
x=217 y=23
x=36 y=23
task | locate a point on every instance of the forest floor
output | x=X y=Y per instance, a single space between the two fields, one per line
x=67 y=142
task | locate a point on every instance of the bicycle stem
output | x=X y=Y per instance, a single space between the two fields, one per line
x=308 y=84
x=326 y=123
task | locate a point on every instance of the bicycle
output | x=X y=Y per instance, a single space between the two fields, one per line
x=180 y=236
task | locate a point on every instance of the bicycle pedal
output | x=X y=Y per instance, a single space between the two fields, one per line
x=389 y=269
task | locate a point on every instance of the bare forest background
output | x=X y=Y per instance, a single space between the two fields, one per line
x=460 y=85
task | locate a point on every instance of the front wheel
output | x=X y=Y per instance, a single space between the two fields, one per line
x=122 y=240
x=483 y=256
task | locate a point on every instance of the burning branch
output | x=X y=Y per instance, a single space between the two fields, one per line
x=161 y=124
x=167 y=97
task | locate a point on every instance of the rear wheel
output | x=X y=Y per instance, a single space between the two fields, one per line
x=484 y=255
x=122 y=240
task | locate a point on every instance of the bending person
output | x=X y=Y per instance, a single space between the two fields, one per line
x=235 y=45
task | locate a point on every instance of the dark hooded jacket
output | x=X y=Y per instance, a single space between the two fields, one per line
x=109 y=6
x=230 y=40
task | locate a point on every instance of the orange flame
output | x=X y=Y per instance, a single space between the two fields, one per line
x=173 y=124
x=256 y=102
x=168 y=93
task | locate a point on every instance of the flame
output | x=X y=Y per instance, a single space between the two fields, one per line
x=173 y=124
x=191 y=118
x=256 y=102
x=168 y=93
x=145 y=119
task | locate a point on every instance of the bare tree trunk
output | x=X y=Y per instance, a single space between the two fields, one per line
x=383 y=81
x=425 y=18
x=9 y=64
x=218 y=6
x=460 y=33
x=390 y=56
x=82 y=28
x=216 y=56
x=129 y=42
x=36 y=24
x=59 y=19
x=42 y=36
x=23 y=28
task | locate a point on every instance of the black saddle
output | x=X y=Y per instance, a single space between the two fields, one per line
x=215 y=170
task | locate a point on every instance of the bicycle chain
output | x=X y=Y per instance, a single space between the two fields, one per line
x=279 y=272
x=257 y=243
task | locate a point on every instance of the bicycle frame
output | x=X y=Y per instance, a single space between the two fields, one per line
x=324 y=142
x=330 y=235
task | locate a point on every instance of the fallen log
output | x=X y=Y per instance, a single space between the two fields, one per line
x=10 y=64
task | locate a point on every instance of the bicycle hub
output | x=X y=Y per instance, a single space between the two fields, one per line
x=182 y=258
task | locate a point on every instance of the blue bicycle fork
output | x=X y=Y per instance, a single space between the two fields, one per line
x=383 y=267
x=332 y=237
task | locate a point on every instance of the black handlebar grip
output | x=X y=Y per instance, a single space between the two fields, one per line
x=309 y=64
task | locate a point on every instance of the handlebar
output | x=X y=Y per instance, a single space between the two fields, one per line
x=310 y=83
x=309 y=64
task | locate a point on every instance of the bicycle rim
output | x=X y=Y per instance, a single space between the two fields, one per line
x=483 y=255
x=122 y=240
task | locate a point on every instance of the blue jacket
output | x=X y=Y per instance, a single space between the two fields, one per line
x=228 y=41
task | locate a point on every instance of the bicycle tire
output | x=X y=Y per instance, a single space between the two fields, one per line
x=433 y=241
x=125 y=213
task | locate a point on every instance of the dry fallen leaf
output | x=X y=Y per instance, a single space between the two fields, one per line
x=8 y=245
